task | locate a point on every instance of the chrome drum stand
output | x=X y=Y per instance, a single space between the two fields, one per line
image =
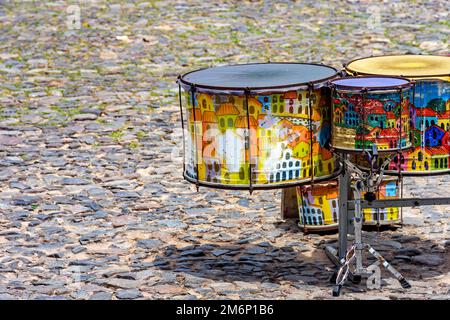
x=349 y=261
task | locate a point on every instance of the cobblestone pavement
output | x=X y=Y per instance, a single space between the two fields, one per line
x=93 y=207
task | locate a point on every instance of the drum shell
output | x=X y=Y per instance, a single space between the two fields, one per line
x=318 y=205
x=362 y=119
x=237 y=139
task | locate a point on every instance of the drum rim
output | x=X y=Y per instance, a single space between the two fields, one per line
x=407 y=85
x=360 y=151
x=268 y=186
x=324 y=80
x=346 y=65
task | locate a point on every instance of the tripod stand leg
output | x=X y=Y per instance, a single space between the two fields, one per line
x=404 y=283
x=336 y=290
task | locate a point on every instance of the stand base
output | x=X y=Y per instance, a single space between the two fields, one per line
x=356 y=276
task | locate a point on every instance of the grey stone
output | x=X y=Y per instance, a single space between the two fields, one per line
x=78 y=249
x=74 y=181
x=85 y=116
x=128 y=294
x=101 y=296
x=219 y=252
x=149 y=243
x=428 y=260
x=255 y=250
x=26 y=200
x=194 y=252
x=408 y=252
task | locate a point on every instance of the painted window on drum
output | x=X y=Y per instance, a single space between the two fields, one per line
x=241 y=173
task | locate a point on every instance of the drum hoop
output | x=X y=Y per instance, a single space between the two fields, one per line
x=246 y=186
x=319 y=228
x=300 y=84
x=323 y=184
x=355 y=89
x=346 y=65
x=381 y=151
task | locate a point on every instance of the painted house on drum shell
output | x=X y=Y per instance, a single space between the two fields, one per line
x=265 y=103
x=424 y=118
x=286 y=168
x=376 y=115
x=319 y=205
x=433 y=136
x=226 y=115
x=291 y=103
x=419 y=159
x=444 y=120
x=351 y=117
x=384 y=138
x=439 y=158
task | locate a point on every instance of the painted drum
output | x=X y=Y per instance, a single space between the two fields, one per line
x=429 y=110
x=318 y=205
x=371 y=110
x=257 y=126
x=388 y=189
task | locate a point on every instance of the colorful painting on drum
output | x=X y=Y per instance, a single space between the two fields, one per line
x=318 y=204
x=388 y=189
x=281 y=138
x=359 y=123
x=430 y=130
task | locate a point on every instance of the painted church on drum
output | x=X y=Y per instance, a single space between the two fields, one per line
x=276 y=138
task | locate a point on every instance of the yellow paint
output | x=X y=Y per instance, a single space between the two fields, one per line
x=205 y=102
x=409 y=66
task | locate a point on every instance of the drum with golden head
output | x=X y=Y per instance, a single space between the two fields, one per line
x=429 y=109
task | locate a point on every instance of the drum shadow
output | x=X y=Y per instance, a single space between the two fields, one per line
x=259 y=262
x=298 y=263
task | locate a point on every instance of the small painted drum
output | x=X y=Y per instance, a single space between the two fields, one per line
x=318 y=205
x=369 y=111
x=257 y=126
x=429 y=109
x=388 y=189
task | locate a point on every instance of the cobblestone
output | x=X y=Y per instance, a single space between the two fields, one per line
x=92 y=206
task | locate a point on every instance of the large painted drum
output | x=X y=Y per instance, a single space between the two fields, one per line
x=429 y=109
x=318 y=206
x=256 y=126
x=369 y=111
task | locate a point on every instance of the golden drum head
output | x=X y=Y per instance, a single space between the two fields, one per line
x=409 y=66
